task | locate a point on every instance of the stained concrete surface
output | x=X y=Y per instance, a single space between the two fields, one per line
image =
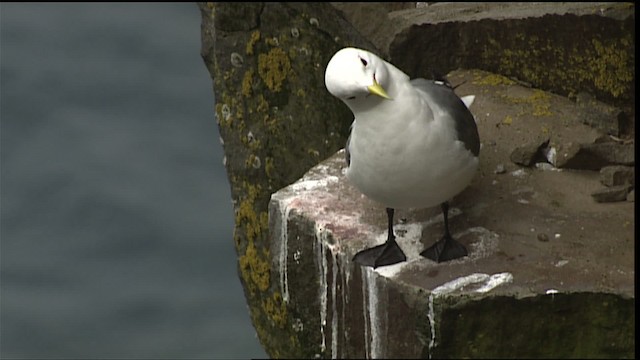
x=532 y=233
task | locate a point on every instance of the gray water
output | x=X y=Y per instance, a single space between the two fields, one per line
x=116 y=219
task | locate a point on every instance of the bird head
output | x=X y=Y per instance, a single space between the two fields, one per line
x=353 y=74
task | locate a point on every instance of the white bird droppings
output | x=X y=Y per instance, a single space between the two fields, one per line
x=285 y=209
x=484 y=282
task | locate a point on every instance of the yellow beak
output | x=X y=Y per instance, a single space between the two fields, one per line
x=377 y=89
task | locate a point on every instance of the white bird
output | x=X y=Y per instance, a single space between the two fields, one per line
x=413 y=144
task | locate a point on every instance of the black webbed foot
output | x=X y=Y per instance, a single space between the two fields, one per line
x=445 y=249
x=388 y=253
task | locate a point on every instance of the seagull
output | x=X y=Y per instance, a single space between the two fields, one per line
x=413 y=144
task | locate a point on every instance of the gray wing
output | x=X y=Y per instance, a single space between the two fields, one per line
x=444 y=96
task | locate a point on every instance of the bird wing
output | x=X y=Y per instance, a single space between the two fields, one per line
x=443 y=95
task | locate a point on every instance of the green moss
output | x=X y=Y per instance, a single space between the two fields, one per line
x=273 y=68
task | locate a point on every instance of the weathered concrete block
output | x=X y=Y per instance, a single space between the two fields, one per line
x=473 y=307
x=573 y=292
x=611 y=194
x=617 y=175
x=566 y=48
x=594 y=156
x=601 y=116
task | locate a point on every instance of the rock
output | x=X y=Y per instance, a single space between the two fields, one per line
x=328 y=221
x=561 y=47
x=611 y=152
x=568 y=156
x=617 y=175
x=606 y=118
x=421 y=309
x=372 y=19
x=529 y=153
x=307 y=299
x=631 y=196
x=545 y=166
x=611 y=194
x=500 y=169
x=276 y=120
x=594 y=156
x=543 y=237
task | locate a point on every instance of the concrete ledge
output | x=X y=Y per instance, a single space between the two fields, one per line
x=550 y=272
x=566 y=48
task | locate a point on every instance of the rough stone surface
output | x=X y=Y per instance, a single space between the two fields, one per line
x=594 y=156
x=276 y=121
x=372 y=19
x=608 y=119
x=566 y=48
x=617 y=175
x=530 y=153
x=568 y=155
x=577 y=283
x=611 y=194
x=611 y=152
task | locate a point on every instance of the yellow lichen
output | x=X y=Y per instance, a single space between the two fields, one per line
x=539 y=102
x=313 y=152
x=255 y=269
x=255 y=36
x=275 y=309
x=269 y=167
x=254 y=264
x=272 y=41
x=274 y=68
x=263 y=105
x=612 y=68
x=247 y=83
x=608 y=67
x=246 y=214
x=493 y=79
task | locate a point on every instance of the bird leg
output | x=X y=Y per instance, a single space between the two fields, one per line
x=388 y=253
x=446 y=248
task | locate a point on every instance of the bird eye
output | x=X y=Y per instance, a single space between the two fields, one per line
x=363 y=61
